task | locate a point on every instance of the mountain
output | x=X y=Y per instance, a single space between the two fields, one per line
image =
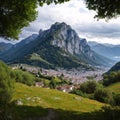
x=108 y=50
x=5 y=46
x=59 y=46
x=115 y=68
x=93 y=43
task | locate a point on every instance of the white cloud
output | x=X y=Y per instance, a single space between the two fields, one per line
x=80 y=18
x=7 y=41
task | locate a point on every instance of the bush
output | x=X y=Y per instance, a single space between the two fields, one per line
x=103 y=95
x=110 y=78
x=79 y=92
x=6 y=90
x=89 y=87
x=23 y=77
x=52 y=84
x=28 y=79
x=117 y=99
x=6 y=84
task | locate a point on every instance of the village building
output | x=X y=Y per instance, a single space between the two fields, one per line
x=65 y=88
x=39 y=84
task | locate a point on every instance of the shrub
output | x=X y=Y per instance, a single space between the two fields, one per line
x=89 y=87
x=52 y=84
x=79 y=92
x=117 y=99
x=28 y=79
x=6 y=84
x=103 y=95
x=110 y=78
x=6 y=90
x=23 y=77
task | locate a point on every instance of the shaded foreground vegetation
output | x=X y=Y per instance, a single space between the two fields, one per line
x=37 y=112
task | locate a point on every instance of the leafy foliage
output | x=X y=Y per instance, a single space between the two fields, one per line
x=52 y=84
x=88 y=87
x=6 y=90
x=23 y=77
x=117 y=99
x=16 y=14
x=111 y=78
x=6 y=84
x=103 y=95
x=104 y=8
x=42 y=2
x=115 y=68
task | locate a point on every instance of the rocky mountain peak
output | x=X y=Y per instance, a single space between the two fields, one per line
x=59 y=25
x=67 y=39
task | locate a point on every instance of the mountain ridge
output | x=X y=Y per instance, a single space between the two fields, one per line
x=108 y=50
x=58 y=46
x=115 y=68
x=5 y=46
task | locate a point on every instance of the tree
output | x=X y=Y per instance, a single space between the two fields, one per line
x=6 y=89
x=6 y=84
x=52 y=83
x=23 y=77
x=103 y=95
x=89 y=87
x=104 y=8
x=16 y=14
x=117 y=99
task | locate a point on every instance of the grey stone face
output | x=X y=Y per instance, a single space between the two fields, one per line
x=67 y=39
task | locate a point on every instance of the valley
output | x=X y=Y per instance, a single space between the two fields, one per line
x=76 y=75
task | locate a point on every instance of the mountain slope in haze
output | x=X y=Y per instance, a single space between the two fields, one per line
x=93 y=43
x=108 y=50
x=115 y=68
x=18 y=50
x=5 y=46
x=59 y=46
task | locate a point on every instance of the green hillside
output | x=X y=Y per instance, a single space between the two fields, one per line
x=114 y=87
x=33 y=102
x=115 y=68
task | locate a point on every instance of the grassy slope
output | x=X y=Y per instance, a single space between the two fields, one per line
x=37 y=57
x=37 y=100
x=114 y=87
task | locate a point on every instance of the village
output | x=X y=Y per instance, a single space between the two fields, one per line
x=73 y=76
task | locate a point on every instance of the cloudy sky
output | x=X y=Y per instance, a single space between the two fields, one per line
x=80 y=18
